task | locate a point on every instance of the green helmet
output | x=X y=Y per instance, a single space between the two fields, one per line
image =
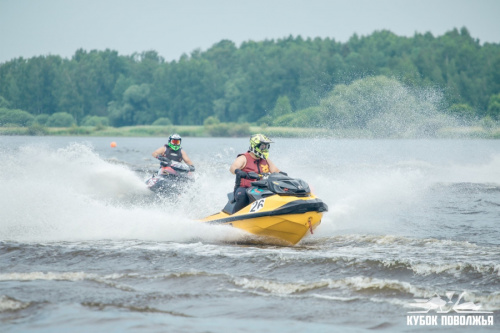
x=259 y=145
x=174 y=141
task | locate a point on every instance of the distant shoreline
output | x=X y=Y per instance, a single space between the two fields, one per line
x=473 y=132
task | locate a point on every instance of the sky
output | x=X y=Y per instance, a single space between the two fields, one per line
x=31 y=28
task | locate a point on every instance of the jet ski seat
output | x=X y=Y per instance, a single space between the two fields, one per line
x=229 y=208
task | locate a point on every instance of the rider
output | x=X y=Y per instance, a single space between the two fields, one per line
x=172 y=150
x=256 y=160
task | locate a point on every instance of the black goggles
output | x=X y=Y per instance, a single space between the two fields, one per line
x=264 y=146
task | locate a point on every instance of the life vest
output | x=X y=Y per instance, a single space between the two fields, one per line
x=259 y=166
x=174 y=155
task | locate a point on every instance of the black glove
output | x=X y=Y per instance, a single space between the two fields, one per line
x=191 y=168
x=253 y=175
x=241 y=174
x=163 y=160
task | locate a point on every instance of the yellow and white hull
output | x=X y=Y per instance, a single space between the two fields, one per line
x=283 y=220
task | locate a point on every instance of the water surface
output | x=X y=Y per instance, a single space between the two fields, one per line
x=84 y=246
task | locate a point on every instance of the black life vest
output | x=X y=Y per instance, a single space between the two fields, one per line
x=174 y=155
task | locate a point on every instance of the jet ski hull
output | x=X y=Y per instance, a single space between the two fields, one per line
x=282 y=220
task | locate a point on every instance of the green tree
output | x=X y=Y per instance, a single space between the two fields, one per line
x=41 y=119
x=494 y=107
x=95 y=121
x=4 y=103
x=462 y=111
x=60 y=119
x=15 y=117
x=282 y=107
x=163 y=121
x=211 y=121
x=133 y=109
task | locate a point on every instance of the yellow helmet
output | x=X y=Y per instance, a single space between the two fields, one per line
x=259 y=145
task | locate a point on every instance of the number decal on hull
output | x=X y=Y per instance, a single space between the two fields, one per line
x=257 y=205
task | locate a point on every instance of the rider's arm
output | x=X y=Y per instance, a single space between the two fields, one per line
x=186 y=158
x=272 y=167
x=239 y=163
x=159 y=152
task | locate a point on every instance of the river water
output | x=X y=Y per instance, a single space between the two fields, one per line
x=85 y=247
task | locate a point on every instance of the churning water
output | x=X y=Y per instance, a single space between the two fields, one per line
x=85 y=247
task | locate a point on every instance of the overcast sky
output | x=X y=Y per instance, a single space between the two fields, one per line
x=172 y=27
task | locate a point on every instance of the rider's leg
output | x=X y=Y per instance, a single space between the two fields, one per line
x=241 y=198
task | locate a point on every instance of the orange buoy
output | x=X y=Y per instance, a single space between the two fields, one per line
x=113 y=144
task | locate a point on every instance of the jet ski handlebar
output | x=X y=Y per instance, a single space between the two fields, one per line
x=250 y=175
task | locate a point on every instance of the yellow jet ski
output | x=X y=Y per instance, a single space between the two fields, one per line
x=282 y=210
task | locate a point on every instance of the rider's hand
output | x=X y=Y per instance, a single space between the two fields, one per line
x=164 y=161
x=241 y=173
x=253 y=175
x=191 y=168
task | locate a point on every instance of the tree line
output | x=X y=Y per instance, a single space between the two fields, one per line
x=368 y=81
